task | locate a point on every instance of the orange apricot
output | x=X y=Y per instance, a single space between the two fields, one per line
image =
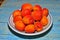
x=38 y=26
x=26 y=12
x=30 y=28
x=37 y=7
x=44 y=20
x=19 y=25
x=26 y=6
x=16 y=12
x=28 y=19
x=45 y=12
x=17 y=18
x=37 y=15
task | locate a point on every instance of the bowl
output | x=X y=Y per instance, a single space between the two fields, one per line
x=47 y=27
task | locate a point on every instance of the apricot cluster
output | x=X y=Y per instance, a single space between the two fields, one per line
x=30 y=18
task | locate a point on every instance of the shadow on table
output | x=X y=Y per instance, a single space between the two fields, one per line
x=30 y=37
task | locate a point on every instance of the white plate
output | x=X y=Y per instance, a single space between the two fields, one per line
x=47 y=27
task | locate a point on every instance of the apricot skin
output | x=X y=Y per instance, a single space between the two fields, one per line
x=44 y=20
x=38 y=26
x=17 y=18
x=19 y=25
x=45 y=12
x=30 y=28
x=26 y=12
x=26 y=6
x=28 y=19
x=37 y=15
x=16 y=12
x=37 y=7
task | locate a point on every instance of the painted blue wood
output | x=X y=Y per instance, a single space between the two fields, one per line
x=10 y=5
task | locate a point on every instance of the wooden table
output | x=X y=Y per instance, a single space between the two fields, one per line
x=9 y=6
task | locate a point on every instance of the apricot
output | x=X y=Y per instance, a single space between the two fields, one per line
x=38 y=26
x=26 y=12
x=28 y=19
x=26 y=6
x=30 y=28
x=19 y=25
x=16 y=12
x=37 y=15
x=37 y=7
x=17 y=18
x=44 y=20
x=45 y=12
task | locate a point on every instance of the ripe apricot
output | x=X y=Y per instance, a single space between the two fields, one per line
x=30 y=28
x=38 y=26
x=17 y=18
x=16 y=12
x=37 y=7
x=44 y=20
x=28 y=19
x=26 y=12
x=37 y=15
x=26 y=6
x=45 y=12
x=19 y=25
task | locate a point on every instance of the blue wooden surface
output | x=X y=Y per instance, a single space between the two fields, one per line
x=10 y=5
